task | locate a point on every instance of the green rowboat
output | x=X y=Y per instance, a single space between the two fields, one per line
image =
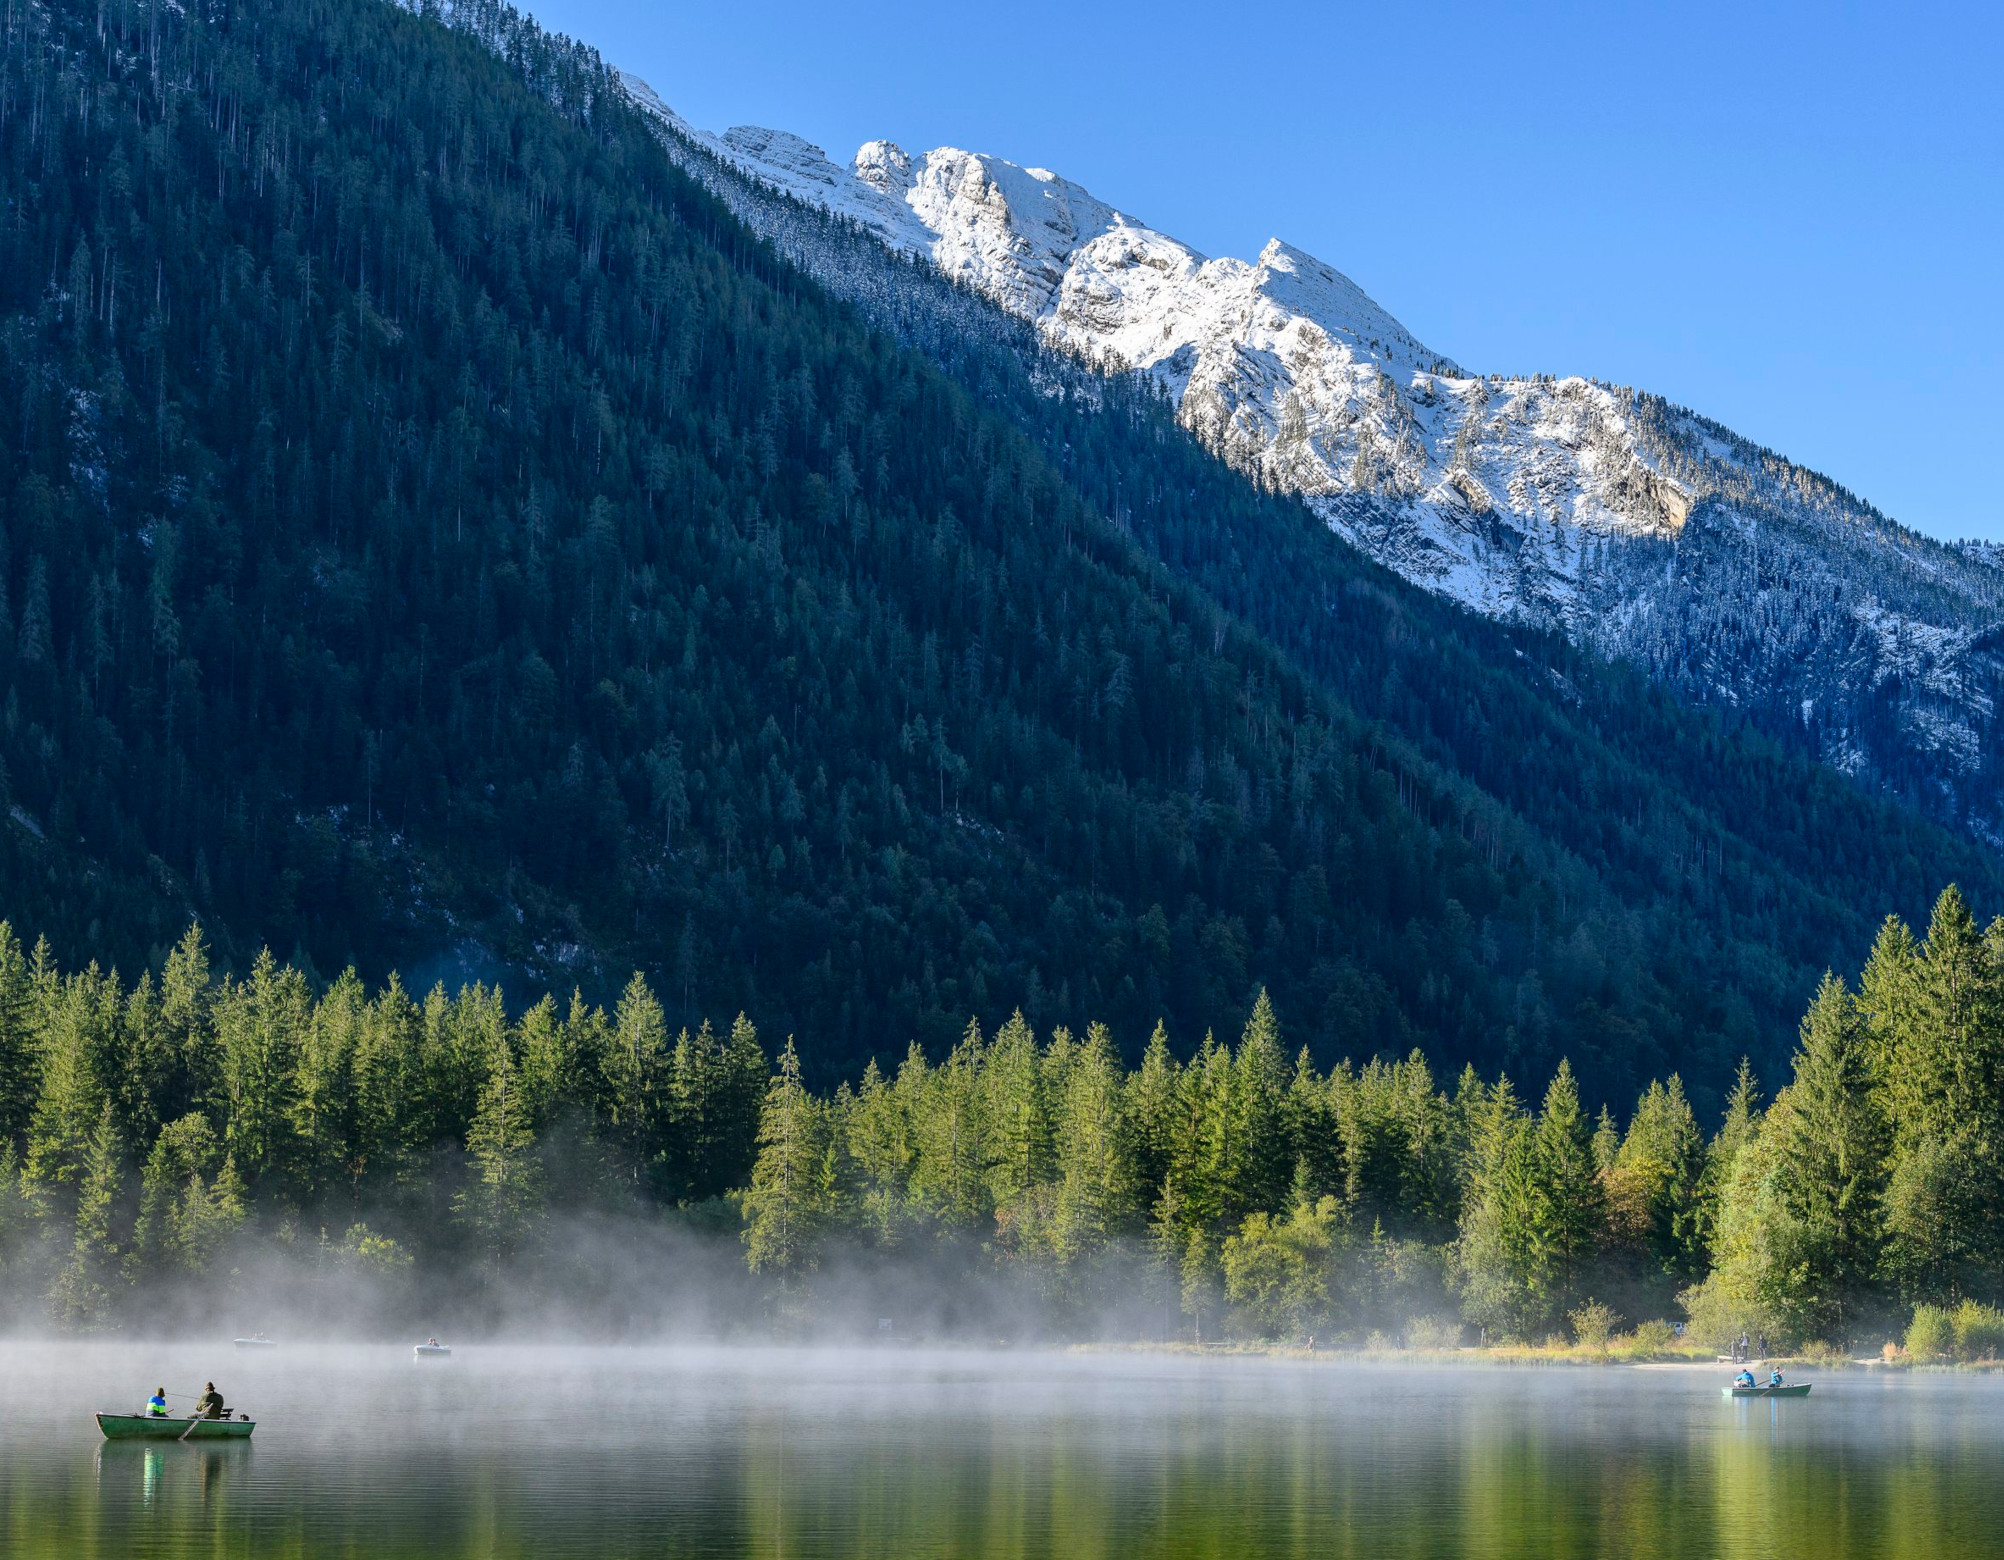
x=1759 y=1392
x=144 y=1427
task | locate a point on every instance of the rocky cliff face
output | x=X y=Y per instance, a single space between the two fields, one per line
x=1630 y=524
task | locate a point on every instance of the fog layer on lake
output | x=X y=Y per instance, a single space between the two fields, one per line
x=567 y=1452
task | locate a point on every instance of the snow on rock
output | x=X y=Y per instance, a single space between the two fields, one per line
x=1282 y=364
x=1628 y=523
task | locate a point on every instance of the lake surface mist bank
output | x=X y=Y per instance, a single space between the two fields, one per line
x=563 y=1452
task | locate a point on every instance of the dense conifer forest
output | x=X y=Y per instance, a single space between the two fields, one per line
x=438 y=536
x=163 y=1139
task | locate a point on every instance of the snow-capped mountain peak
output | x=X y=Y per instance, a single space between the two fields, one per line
x=1628 y=523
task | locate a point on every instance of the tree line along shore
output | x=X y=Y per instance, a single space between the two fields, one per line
x=165 y=1131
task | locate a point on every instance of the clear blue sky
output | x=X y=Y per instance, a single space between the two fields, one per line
x=1786 y=216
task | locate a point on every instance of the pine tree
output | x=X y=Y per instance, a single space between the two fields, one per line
x=502 y=1202
x=185 y=1007
x=1660 y=1169
x=20 y=1045
x=1256 y=1169
x=636 y=1075
x=880 y=1147
x=1096 y=1184
x=1889 y=997
x=1830 y=1144
x=1568 y=1212
x=1314 y=1145
x=391 y=1129
x=185 y=1151
x=1205 y=1150
x=782 y=1207
x=552 y=1075
x=948 y=1173
x=743 y=1072
x=79 y=1032
x=323 y=1104
x=1019 y=1136
x=1495 y=1254
x=83 y=1296
x=1948 y=1076
x=1606 y=1141
x=1152 y=1107
x=260 y=1027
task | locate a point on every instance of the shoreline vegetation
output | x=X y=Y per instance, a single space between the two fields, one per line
x=339 y=1154
x=1558 y=1354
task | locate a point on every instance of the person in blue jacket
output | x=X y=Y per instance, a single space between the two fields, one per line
x=156 y=1405
x=1774 y=1377
x=1745 y=1379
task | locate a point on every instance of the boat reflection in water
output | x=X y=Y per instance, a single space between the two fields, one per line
x=173 y=1481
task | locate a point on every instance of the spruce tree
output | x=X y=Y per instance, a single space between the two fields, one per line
x=1095 y=1160
x=1830 y=1147
x=1019 y=1136
x=782 y=1206
x=1152 y=1107
x=260 y=1029
x=83 y=1296
x=20 y=1044
x=1661 y=1166
x=948 y=1174
x=879 y=1145
x=79 y=1037
x=1494 y=1253
x=1256 y=1167
x=636 y=1079
x=501 y=1202
x=1568 y=1209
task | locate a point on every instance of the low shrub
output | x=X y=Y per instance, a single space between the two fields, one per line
x=1931 y=1334
x=1433 y=1334
x=1979 y=1331
x=1657 y=1337
x=1593 y=1324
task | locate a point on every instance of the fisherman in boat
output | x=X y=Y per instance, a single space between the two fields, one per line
x=210 y=1404
x=156 y=1405
x=1774 y=1377
x=1745 y=1379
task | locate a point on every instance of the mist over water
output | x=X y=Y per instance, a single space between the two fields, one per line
x=557 y=1452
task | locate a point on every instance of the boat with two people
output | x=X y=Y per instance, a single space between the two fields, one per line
x=1745 y=1386
x=431 y=1349
x=210 y=1421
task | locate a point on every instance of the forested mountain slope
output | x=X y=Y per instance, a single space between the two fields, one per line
x=1632 y=525
x=439 y=534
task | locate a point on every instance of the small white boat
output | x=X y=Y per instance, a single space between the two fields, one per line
x=255 y=1341
x=433 y=1350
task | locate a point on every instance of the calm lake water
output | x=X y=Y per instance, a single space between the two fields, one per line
x=558 y=1453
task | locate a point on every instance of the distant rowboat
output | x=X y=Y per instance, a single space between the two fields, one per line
x=431 y=1351
x=1760 y=1392
x=255 y=1341
x=144 y=1427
